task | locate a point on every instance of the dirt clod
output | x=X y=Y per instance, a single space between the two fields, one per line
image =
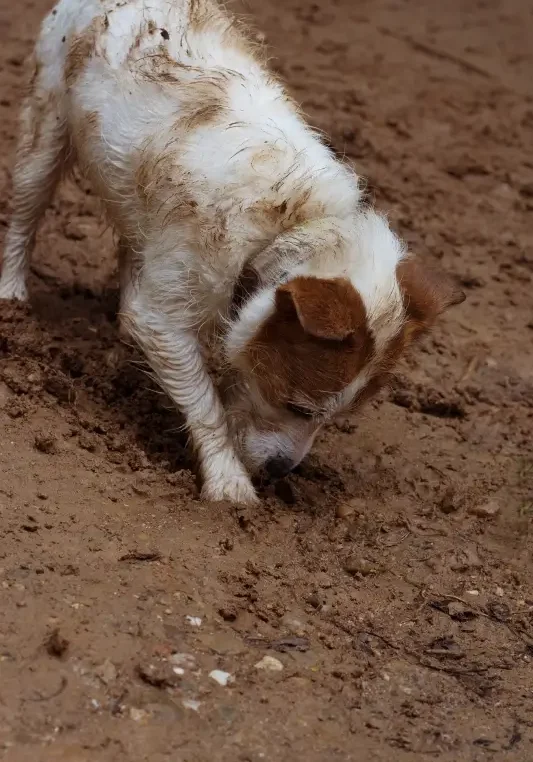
x=452 y=500
x=355 y=565
x=46 y=443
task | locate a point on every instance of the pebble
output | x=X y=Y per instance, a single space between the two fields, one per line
x=186 y=661
x=355 y=565
x=313 y=600
x=159 y=674
x=486 y=510
x=452 y=500
x=269 y=664
x=192 y=704
x=294 y=623
x=194 y=621
x=343 y=510
x=222 y=678
x=460 y=612
x=464 y=559
x=46 y=443
x=137 y=715
x=107 y=672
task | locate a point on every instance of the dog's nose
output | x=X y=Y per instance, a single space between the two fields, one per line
x=278 y=467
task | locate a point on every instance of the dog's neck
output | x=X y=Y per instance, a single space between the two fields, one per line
x=265 y=269
x=276 y=264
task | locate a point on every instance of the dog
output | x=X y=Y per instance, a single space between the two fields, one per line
x=237 y=228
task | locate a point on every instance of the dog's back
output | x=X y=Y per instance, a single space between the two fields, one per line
x=177 y=122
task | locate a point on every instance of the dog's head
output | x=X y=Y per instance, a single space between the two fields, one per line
x=315 y=347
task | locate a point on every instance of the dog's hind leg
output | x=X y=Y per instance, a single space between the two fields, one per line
x=41 y=156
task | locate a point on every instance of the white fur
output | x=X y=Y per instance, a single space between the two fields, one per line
x=178 y=272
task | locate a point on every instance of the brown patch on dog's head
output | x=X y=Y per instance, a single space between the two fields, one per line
x=426 y=294
x=314 y=344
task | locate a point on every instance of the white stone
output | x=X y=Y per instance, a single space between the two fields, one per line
x=269 y=664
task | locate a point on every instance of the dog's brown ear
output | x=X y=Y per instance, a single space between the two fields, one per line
x=426 y=293
x=326 y=308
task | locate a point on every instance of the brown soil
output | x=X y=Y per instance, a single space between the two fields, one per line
x=392 y=578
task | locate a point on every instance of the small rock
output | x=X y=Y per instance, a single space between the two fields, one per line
x=486 y=510
x=343 y=510
x=107 y=672
x=434 y=563
x=452 y=500
x=186 y=661
x=294 y=623
x=158 y=673
x=313 y=600
x=194 y=621
x=465 y=559
x=355 y=565
x=499 y=610
x=460 y=612
x=222 y=678
x=191 y=704
x=46 y=443
x=137 y=715
x=269 y=664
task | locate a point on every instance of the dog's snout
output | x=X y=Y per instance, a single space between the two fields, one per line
x=278 y=467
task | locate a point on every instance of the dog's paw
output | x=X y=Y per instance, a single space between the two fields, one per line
x=13 y=289
x=236 y=489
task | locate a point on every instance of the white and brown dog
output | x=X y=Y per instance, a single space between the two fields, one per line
x=235 y=222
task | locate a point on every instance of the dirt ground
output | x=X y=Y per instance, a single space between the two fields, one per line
x=392 y=580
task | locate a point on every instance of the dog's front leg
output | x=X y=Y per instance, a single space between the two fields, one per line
x=176 y=358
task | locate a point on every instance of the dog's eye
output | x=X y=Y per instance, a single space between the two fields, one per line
x=299 y=411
